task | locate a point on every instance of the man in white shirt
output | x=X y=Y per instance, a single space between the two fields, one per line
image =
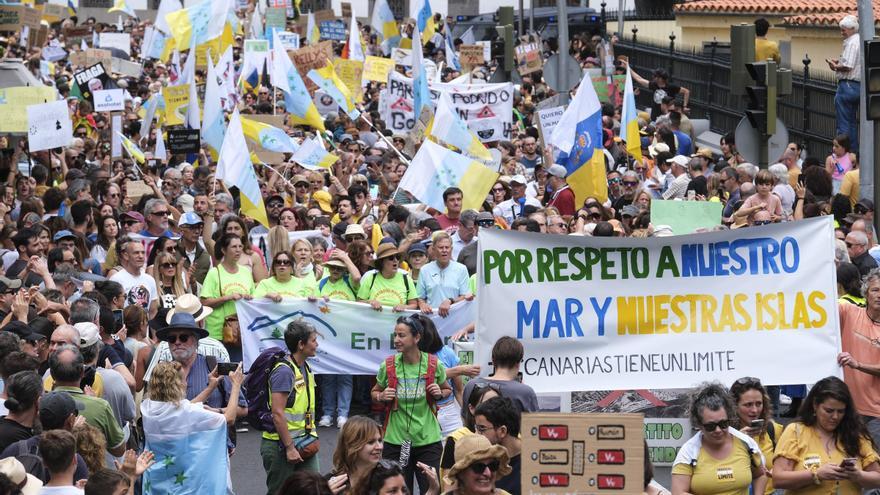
x=58 y=450
x=678 y=187
x=848 y=69
x=139 y=287
x=466 y=233
x=511 y=209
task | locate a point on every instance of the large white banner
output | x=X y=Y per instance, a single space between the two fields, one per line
x=354 y=338
x=626 y=314
x=487 y=108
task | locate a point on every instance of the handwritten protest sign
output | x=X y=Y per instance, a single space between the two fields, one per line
x=92 y=56
x=377 y=69
x=176 y=99
x=528 y=57
x=686 y=217
x=311 y=57
x=470 y=55
x=597 y=313
x=49 y=126
x=350 y=71
x=548 y=118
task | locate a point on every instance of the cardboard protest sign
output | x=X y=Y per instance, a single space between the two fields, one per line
x=91 y=57
x=49 y=126
x=14 y=102
x=528 y=57
x=125 y=67
x=377 y=69
x=183 y=141
x=52 y=12
x=75 y=34
x=176 y=100
x=13 y=18
x=120 y=41
x=346 y=10
x=92 y=79
x=109 y=100
x=333 y=30
x=311 y=57
x=589 y=453
x=470 y=55
x=350 y=71
x=685 y=217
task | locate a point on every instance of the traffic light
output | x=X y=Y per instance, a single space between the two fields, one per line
x=505 y=35
x=742 y=52
x=872 y=79
x=761 y=110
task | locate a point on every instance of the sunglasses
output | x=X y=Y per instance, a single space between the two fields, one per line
x=486 y=223
x=630 y=183
x=748 y=381
x=710 y=427
x=498 y=189
x=129 y=224
x=594 y=215
x=283 y=262
x=763 y=222
x=165 y=266
x=480 y=467
x=161 y=213
x=560 y=225
x=182 y=338
x=861 y=210
x=275 y=205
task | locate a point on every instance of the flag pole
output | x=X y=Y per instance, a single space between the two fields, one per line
x=383 y=138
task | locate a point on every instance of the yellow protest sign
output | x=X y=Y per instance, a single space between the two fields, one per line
x=176 y=100
x=350 y=72
x=14 y=103
x=377 y=69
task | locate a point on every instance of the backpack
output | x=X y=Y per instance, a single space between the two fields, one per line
x=324 y=281
x=405 y=282
x=32 y=461
x=391 y=373
x=256 y=388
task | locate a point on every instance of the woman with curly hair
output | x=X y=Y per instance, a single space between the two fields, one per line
x=91 y=445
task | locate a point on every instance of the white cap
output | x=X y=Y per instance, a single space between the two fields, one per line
x=88 y=334
x=519 y=179
x=679 y=160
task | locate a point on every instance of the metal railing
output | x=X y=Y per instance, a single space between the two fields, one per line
x=808 y=112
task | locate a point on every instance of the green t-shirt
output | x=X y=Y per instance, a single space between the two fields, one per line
x=98 y=413
x=413 y=418
x=340 y=289
x=219 y=283
x=472 y=282
x=295 y=287
x=388 y=291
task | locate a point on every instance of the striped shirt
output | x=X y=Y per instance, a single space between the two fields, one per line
x=850 y=58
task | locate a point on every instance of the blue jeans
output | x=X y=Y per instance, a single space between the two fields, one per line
x=846 y=105
x=336 y=395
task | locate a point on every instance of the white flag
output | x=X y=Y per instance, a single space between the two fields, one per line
x=355 y=49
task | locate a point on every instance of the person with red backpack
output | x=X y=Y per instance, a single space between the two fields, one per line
x=410 y=383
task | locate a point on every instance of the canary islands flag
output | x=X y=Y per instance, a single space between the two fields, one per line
x=330 y=83
x=421 y=93
x=189 y=444
x=313 y=34
x=235 y=169
x=133 y=151
x=629 y=130
x=198 y=24
x=578 y=136
x=312 y=155
x=425 y=21
x=298 y=102
x=435 y=168
x=122 y=6
x=448 y=127
x=384 y=24
x=268 y=137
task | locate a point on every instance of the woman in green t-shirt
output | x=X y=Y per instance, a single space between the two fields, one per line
x=412 y=432
x=283 y=282
x=226 y=283
x=386 y=285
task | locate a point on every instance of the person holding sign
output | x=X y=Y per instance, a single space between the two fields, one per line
x=409 y=384
x=718 y=460
x=754 y=417
x=828 y=449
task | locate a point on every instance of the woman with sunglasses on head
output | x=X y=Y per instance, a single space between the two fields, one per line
x=288 y=280
x=718 y=459
x=412 y=432
x=754 y=417
x=828 y=449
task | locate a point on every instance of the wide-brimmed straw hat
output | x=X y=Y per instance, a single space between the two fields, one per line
x=474 y=448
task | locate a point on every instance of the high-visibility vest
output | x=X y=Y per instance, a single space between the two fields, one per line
x=300 y=413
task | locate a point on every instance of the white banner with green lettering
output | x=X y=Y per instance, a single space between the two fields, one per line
x=598 y=313
x=353 y=340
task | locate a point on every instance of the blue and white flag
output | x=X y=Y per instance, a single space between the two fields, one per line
x=421 y=94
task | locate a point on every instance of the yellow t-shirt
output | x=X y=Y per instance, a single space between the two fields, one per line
x=765 y=49
x=802 y=445
x=766 y=446
x=730 y=476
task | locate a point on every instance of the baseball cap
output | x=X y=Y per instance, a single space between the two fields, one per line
x=340 y=228
x=191 y=218
x=519 y=179
x=9 y=284
x=324 y=201
x=299 y=178
x=63 y=234
x=866 y=204
x=88 y=334
x=186 y=202
x=23 y=331
x=679 y=160
x=56 y=407
x=557 y=170
x=630 y=211
x=345 y=137
x=417 y=247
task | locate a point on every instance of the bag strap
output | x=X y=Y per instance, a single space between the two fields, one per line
x=219 y=282
x=391 y=373
x=771 y=432
x=429 y=379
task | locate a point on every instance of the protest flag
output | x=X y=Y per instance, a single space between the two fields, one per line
x=122 y=6
x=312 y=155
x=421 y=93
x=424 y=21
x=629 y=119
x=578 y=136
x=160 y=151
x=448 y=127
x=354 y=49
x=166 y=7
x=435 y=168
x=268 y=137
x=198 y=24
x=298 y=102
x=330 y=83
x=133 y=151
x=451 y=55
x=313 y=34
x=213 y=121
x=384 y=24
x=235 y=169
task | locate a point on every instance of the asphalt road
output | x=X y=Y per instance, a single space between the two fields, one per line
x=248 y=477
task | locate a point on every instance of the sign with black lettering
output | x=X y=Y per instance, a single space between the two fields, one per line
x=94 y=78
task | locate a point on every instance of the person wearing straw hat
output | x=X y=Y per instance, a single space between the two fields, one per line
x=343 y=274
x=386 y=285
x=28 y=484
x=478 y=465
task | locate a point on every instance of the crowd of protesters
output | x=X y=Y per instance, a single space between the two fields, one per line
x=117 y=299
